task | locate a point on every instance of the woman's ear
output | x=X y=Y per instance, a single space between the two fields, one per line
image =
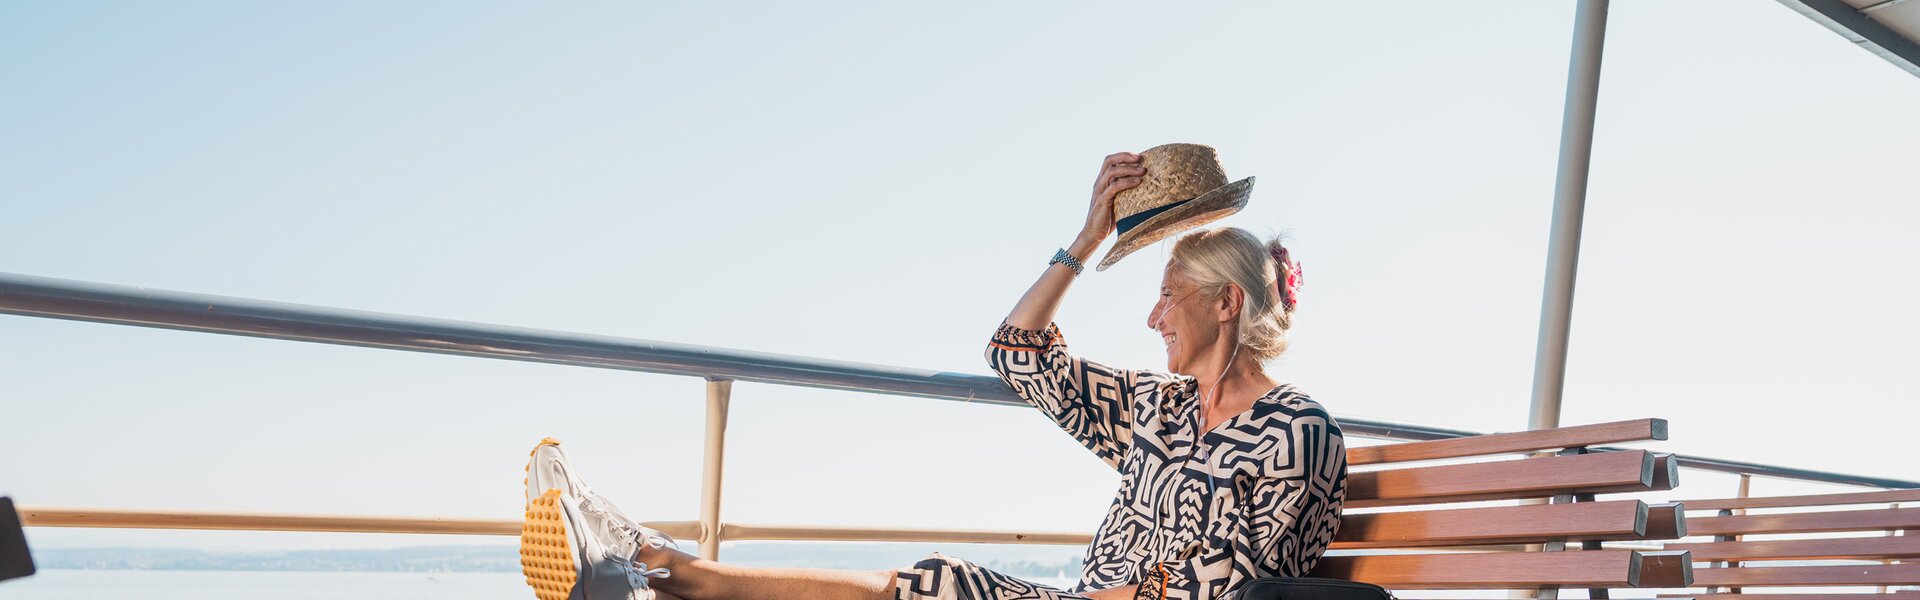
x=1231 y=299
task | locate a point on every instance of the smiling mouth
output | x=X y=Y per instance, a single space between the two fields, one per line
x=1168 y=338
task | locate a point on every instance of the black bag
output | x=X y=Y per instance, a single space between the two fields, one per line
x=1311 y=588
x=14 y=560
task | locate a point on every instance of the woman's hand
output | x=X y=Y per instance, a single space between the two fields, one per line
x=1118 y=173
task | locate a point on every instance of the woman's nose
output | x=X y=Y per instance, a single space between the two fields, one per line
x=1158 y=315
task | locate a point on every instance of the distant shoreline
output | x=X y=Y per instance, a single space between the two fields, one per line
x=68 y=584
x=1021 y=561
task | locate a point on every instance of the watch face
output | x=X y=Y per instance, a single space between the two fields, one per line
x=14 y=560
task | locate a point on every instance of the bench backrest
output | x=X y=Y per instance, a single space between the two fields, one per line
x=1413 y=511
x=1727 y=554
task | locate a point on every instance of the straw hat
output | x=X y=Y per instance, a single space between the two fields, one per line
x=1184 y=188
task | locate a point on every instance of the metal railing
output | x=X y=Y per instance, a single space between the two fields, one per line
x=127 y=305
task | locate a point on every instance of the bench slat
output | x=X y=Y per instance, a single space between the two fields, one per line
x=1844 y=520
x=1666 y=569
x=1901 y=574
x=1536 y=523
x=1666 y=472
x=1509 y=443
x=1667 y=521
x=1501 y=480
x=1496 y=570
x=1865 y=548
x=1886 y=497
x=1666 y=475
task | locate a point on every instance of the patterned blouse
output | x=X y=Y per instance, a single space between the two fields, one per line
x=1258 y=496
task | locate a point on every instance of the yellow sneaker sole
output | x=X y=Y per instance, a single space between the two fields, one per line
x=545 y=556
x=527 y=471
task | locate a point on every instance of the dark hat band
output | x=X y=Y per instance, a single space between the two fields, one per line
x=1136 y=219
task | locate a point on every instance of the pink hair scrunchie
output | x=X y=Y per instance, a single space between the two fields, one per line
x=1289 y=288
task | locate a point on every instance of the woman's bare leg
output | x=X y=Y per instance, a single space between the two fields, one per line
x=695 y=578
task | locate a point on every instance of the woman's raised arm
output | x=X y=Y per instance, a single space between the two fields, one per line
x=1119 y=172
x=1090 y=401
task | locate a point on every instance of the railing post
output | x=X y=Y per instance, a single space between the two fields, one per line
x=1744 y=491
x=1890 y=533
x=719 y=394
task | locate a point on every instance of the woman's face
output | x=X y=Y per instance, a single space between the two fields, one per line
x=1184 y=321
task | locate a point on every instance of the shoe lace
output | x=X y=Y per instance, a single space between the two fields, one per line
x=630 y=539
x=637 y=576
x=619 y=523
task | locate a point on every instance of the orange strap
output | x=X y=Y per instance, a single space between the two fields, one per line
x=1163 y=580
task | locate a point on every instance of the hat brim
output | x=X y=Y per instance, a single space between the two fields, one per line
x=1214 y=205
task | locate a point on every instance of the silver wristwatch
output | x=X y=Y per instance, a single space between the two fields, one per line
x=1067 y=259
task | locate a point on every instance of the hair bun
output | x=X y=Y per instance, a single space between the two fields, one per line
x=1289 y=279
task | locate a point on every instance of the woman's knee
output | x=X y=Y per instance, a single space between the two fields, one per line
x=938 y=561
x=930 y=577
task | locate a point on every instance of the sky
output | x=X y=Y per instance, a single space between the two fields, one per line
x=879 y=183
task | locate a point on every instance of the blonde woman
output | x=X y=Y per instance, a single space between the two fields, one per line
x=1227 y=474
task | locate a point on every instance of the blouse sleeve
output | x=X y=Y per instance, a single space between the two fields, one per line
x=1090 y=401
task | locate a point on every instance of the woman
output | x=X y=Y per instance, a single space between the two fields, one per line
x=1226 y=473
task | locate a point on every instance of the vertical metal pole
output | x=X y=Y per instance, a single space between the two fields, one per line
x=719 y=394
x=1569 y=206
x=1745 y=491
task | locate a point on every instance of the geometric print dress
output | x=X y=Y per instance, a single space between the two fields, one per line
x=1197 y=513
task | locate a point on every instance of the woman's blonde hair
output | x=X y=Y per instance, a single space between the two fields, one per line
x=1213 y=258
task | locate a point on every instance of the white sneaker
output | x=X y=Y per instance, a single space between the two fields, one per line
x=574 y=545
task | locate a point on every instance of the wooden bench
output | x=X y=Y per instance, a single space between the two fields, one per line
x=1729 y=558
x=1552 y=543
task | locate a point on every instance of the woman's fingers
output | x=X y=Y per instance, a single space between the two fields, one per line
x=1120 y=184
x=1119 y=172
x=1111 y=174
x=1120 y=161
